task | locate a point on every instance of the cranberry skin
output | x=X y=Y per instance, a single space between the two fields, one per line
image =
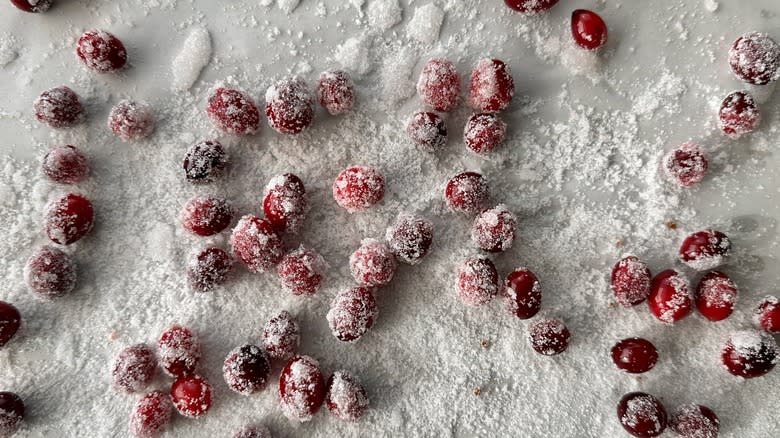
x=151 y=415
x=686 y=165
x=253 y=431
x=715 y=296
x=289 y=106
x=10 y=320
x=301 y=271
x=466 y=192
x=131 y=121
x=33 y=6
x=695 y=421
x=205 y=162
x=301 y=388
x=704 y=250
x=739 y=114
x=284 y=203
x=549 y=337
x=206 y=215
x=336 y=92
x=134 y=368
x=755 y=58
x=11 y=413
x=428 y=131
x=178 y=351
x=352 y=313
x=530 y=6
x=68 y=219
x=101 y=51
x=635 y=355
x=65 y=165
x=191 y=395
x=373 y=264
x=358 y=188
x=346 y=396
x=50 y=273
x=492 y=87
x=630 y=281
x=477 y=281
x=642 y=415
x=209 y=268
x=484 y=133
x=282 y=336
x=523 y=292
x=588 y=29
x=410 y=238
x=494 y=229
x=439 y=85
x=767 y=314
x=233 y=112
x=59 y=108
x=256 y=244
x=750 y=353
x=246 y=370
x=670 y=297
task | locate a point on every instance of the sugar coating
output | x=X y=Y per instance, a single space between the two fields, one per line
x=193 y=57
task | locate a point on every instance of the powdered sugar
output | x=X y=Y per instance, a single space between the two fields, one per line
x=425 y=23
x=195 y=55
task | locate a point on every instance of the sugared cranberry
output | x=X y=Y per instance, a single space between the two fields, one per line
x=477 y=281
x=410 y=238
x=635 y=355
x=151 y=415
x=466 y=192
x=301 y=388
x=686 y=165
x=246 y=369
x=284 y=203
x=630 y=281
x=492 y=87
x=767 y=314
x=588 y=29
x=336 y=92
x=301 y=271
x=755 y=58
x=352 y=313
x=428 y=131
x=358 y=188
x=530 y=6
x=209 y=268
x=439 y=85
x=50 y=273
x=705 y=250
x=65 y=165
x=233 y=112
x=134 y=368
x=346 y=397
x=191 y=395
x=484 y=133
x=549 y=336
x=281 y=336
x=641 y=414
x=670 y=297
x=101 y=51
x=178 y=351
x=695 y=421
x=10 y=320
x=58 y=107
x=68 y=218
x=206 y=215
x=253 y=431
x=33 y=6
x=205 y=162
x=131 y=121
x=11 y=413
x=256 y=244
x=739 y=114
x=715 y=296
x=523 y=293
x=750 y=353
x=373 y=264
x=494 y=229
x=289 y=106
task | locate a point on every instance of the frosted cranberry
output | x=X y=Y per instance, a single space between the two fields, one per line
x=767 y=314
x=352 y=313
x=466 y=192
x=209 y=268
x=428 y=131
x=205 y=162
x=101 y=51
x=281 y=336
x=289 y=106
x=246 y=369
x=410 y=238
x=179 y=351
x=301 y=388
x=477 y=281
x=358 y=188
x=151 y=415
x=301 y=271
x=131 y=121
x=233 y=112
x=715 y=296
x=439 y=85
x=686 y=165
x=750 y=353
x=494 y=229
x=492 y=87
x=284 y=203
x=253 y=431
x=336 y=92
x=530 y=6
x=755 y=58
x=523 y=292
x=50 y=273
x=346 y=396
x=373 y=264
x=256 y=244
x=134 y=368
x=34 y=6
x=635 y=355
x=705 y=250
x=206 y=215
x=191 y=395
x=630 y=281
x=65 y=165
x=484 y=133
x=588 y=29
x=10 y=320
x=738 y=114
x=11 y=413
x=68 y=218
x=641 y=414
x=670 y=297
x=549 y=336
x=695 y=421
x=58 y=107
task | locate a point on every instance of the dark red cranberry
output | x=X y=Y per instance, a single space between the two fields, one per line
x=358 y=188
x=301 y=388
x=191 y=395
x=549 y=336
x=373 y=264
x=179 y=351
x=641 y=415
x=253 y=431
x=206 y=215
x=289 y=106
x=346 y=396
x=281 y=336
x=205 y=162
x=750 y=353
x=439 y=85
x=428 y=131
x=284 y=203
x=695 y=421
x=336 y=92
x=410 y=238
x=134 y=368
x=704 y=250
x=301 y=271
x=467 y=192
x=151 y=415
x=209 y=268
x=233 y=112
x=131 y=121
x=246 y=369
x=58 y=107
x=494 y=229
x=50 y=273
x=492 y=87
x=68 y=218
x=588 y=29
x=686 y=165
x=477 y=281
x=715 y=296
x=352 y=313
x=9 y=322
x=767 y=314
x=630 y=281
x=670 y=297
x=523 y=292
x=530 y=6
x=33 y=6
x=484 y=133
x=739 y=114
x=101 y=51
x=11 y=413
x=65 y=165
x=635 y=355
x=256 y=244
x=755 y=58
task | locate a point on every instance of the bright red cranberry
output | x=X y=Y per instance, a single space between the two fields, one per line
x=549 y=336
x=641 y=414
x=428 y=131
x=289 y=106
x=256 y=244
x=205 y=162
x=767 y=314
x=439 y=85
x=670 y=297
x=209 y=268
x=588 y=29
x=253 y=431
x=58 y=107
x=101 y=51
x=206 y=215
x=131 y=121
x=635 y=355
x=134 y=368
x=151 y=415
x=346 y=397
x=301 y=388
x=492 y=87
x=336 y=92
x=50 y=273
x=246 y=369
x=358 y=188
x=477 y=281
x=10 y=320
x=284 y=203
x=715 y=296
x=373 y=264
x=65 y=165
x=352 y=313
x=704 y=250
x=410 y=238
x=191 y=395
x=301 y=271
x=33 y=6
x=630 y=281
x=755 y=58
x=178 y=350
x=233 y=112
x=530 y=6
x=686 y=165
x=484 y=133
x=68 y=218
x=739 y=114
x=466 y=192
x=695 y=421
x=11 y=413
x=750 y=353
x=494 y=229
x=281 y=336
x=524 y=293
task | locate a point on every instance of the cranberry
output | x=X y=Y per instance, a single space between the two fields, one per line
x=205 y=162
x=373 y=264
x=630 y=281
x=695 y=421
x=641 y=414
x=635 y=355
x=131 y=121
x=68 y=218
x=34 y=6
x=50 y=273
x=466 y=192
x=705 y=250
x=670 y=297
x=289 y=106
x=738 y=114
x=346 y=397
x=523 y=292
x=134 y=368
x=549 y=336
x=428 y=131
x=284 y=203
x=233 y=112
x=65 y=165
x=755 y=58
x=750 y=353
x=209 y=268
x=256 y=244
x=492 y=87
x=336 y=92
x=151 y=415
x=253 y=431
x=206 y=215
x=477 y=281
x=358 y=188
x=494 y=229
x=686 y=165
x=178 y=351
x=9 y=322
x=767 y=314
x=101 y=51
x=11 y=413
x=58 y=107
x=352 y=313
x=410 y=238
x=246 y=369
x=302 y=271
x=301 y=388
x=191 y=395
x=715 y=296
x=281 y=336
x=530 y=6
x=439 y=85
x=484 y=133
x=588 y=29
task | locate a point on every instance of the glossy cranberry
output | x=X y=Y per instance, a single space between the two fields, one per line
x=630 y=281
x=336 y=92
x=530 y=6
x=467 y=192
x=670 y=297
x=642 y=415
x=101 y=51
x=477 y=281
x=549 y=337
x=373 y=264
x=58 y=107
x=494 y=229
x=439 y=85
x=301 y=388
x=281 y=336
x=50 y=273
x=11 y=413
x=704 y=250
x=428 y=131
x=301 y=271
x=205 y=162
x=358 y=188
x=178 y=350
x=233 y=112
x=346 y=396
x=209 y=268
x=151 y=415
x=750 y=353
x=10 y=320
x=635 y=355
x=484 y=133
x=492 y=87
x=588 y=29
x=767 y=314
x=65 y=165
x=410 y=238
x=33 y=6
x=739 y=114
x=284 y=203
x=686 y=165
x=68 y=218
x=755 y=58
x=134 y=368
x=253 y=431
x=191 y=395
x=523 y=293
x=715 y=296
x=352 y=313
x=695 y=421
x=289 y=106
x=206 y=215
x=256 y=244
x=246 y=369
x=131 y=121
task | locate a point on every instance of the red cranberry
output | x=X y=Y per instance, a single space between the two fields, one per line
x=151 y=415
x=670 y=297
x=191 y=395
x=466 y=192
x=715 y=296
x=428 y=131
x=246 y=369
x=641 y=414
x=530 y=6
x=358 y=188
x=346 y=397
x=131 y=121
x=352 y=313
x=256 y=244
x=34 y=6
x=410 y=238
x=11 y=413
x=58 y=107
x=134 y=368
x=635 y=355
x=253 y=431
x=439 y=85
x=68 y=218
x=767 y=314
x=750 y=353
x=233 y=112
x=492 y=87
x=738 y=114
x=205 y=162
x=50 y=273
x=336 y=92
x=373 y=264
x=549 y=336
x=588 y=29
x=755 y=58
x=206 y=215
x=484 y=133
x=630 y=281
x=281 y=336
x=209 y=268
x=9 y=322
x=686 y=165
x=477 y=281
x=301 y=388
x=101 y=51
x=494 y=229
x=178 y=351
x=289 y=106
x=705 y=250
x=65 y=165
x=302 y=271
x=523 y=292
x=285 y=203
x=695 y=421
